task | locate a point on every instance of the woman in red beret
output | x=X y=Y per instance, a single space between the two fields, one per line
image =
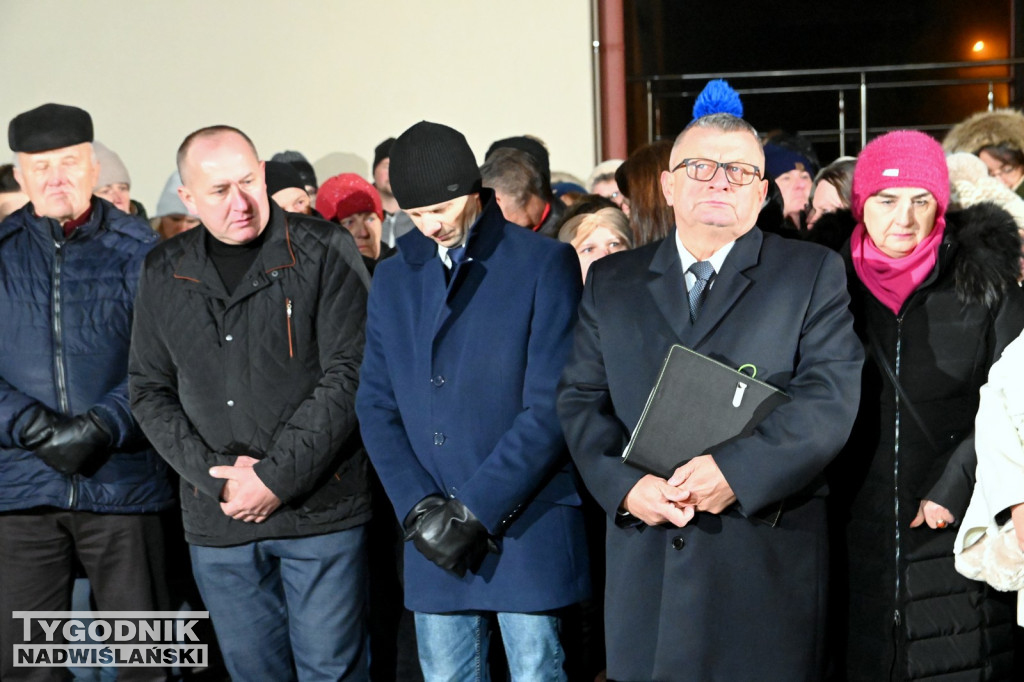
x=353 y=203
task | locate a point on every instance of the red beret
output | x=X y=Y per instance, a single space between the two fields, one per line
x=346 y=194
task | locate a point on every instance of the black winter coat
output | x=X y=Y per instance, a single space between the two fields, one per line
x=901 y=607
x=270 y=372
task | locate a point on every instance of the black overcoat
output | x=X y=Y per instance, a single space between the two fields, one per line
x=727 y=598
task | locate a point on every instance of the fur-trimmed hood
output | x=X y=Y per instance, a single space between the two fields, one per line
x=971 y=184
x=984 y=129
x=981 y=244
x=987 y=252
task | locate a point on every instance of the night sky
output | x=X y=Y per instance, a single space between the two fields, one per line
x=687 y=37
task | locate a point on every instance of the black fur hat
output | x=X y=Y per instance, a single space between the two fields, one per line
x=50 y=126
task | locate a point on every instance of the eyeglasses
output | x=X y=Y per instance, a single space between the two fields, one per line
x=736 y=172
x=1003 y=170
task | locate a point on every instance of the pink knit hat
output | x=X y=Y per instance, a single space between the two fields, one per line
x=902 y=158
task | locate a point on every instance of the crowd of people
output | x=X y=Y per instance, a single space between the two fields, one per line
x=394 y=451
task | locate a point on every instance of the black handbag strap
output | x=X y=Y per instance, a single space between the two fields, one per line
x=905 y=401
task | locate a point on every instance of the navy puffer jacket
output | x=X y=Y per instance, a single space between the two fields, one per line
x=65 y=324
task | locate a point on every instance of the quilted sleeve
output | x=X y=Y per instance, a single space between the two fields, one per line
x=114 y=408
x=14 y=414
x=154 y=395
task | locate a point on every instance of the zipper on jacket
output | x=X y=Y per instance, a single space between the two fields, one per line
x=58 y=332
x=288 y=317
x=58 y=353
x=897 y=619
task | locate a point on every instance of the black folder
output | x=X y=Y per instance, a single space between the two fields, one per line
x=697 y=404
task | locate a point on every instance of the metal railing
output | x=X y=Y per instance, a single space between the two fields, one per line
x=859 y=81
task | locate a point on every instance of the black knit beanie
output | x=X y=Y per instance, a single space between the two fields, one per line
x=381 y=152
x=297 y=161
x=281 y=175
x=431 y=164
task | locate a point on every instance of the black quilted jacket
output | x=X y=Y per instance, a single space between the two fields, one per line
x=270 y=372
x=901 y=607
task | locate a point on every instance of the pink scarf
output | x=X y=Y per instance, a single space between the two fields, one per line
x=892 y=280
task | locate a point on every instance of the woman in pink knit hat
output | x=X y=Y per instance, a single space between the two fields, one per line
x=935 y=301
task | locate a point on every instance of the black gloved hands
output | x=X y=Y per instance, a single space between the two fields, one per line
x=74 y=444
x=447 y=533
x=39 y=428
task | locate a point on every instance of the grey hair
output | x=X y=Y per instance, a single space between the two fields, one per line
x=722 y=122
x=726 y=123
x=515 y=173
x=92 y=153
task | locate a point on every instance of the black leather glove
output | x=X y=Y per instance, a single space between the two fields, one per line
x=39 y=428
x=75 y=444
x=447 y=533
x=428 y=503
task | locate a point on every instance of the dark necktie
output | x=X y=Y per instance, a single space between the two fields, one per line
x=704 y=272
x=456 y=255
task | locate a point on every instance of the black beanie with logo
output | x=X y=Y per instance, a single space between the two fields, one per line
x=432 y=163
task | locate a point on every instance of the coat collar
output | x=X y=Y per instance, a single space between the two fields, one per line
x=668 y=287
x=417 y=249
x=276 y=254
x=51 y=228
x=420 y=253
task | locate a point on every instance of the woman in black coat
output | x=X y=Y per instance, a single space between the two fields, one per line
x=935 y=301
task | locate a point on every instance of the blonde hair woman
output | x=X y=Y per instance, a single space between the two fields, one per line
x=595 y=235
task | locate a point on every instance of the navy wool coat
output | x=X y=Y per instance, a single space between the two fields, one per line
x=728 y=598
x=457 y=397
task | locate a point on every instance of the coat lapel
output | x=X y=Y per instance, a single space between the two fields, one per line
x=484 y=236
x=668 y=287
x=728 y=287
x=276 y=255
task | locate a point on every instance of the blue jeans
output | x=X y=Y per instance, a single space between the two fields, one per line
x=453 y=646
x=288 y=609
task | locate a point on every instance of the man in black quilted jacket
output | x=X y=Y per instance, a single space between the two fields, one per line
x=245 y=355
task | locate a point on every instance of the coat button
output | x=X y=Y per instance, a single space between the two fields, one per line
x=273 y=273
x=255 y=282
x=229 y=338
x=231 y=403
x=438 y=380
x=678 y=542
x=438 y=438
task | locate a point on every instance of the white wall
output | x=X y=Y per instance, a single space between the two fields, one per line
x=330 y=78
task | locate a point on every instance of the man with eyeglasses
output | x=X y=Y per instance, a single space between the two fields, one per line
x=702 y=583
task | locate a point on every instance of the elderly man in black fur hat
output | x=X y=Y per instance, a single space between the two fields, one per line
x=77 y=480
